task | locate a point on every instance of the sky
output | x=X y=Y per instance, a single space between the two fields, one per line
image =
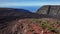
x=32 y=5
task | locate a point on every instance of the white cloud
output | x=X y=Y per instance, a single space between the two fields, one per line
x=18 y=4
x=8 y=4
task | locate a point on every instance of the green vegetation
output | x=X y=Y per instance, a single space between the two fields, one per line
x=58 y=22
x=47 y=24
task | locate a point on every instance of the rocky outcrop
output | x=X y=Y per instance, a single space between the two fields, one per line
x=52 y=10
x=42 y=10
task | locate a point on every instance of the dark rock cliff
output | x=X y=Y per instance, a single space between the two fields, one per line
x=53 y=10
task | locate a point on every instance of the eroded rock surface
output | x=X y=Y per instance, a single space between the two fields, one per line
x=53 y=10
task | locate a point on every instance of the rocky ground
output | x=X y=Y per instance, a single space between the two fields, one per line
x=34 y=26
x=40 y=26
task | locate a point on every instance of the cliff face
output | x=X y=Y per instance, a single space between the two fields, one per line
x=42 y=10
x=50 y=10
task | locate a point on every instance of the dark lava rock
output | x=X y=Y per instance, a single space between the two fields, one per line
x=52 y=10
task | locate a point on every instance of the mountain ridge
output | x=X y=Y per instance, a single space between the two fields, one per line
x=52 y=10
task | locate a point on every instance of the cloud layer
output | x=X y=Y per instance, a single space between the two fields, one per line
x=8 y=4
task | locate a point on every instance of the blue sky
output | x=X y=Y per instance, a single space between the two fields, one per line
x=32 y=5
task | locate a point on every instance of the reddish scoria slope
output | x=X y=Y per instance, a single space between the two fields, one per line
x=28 y=26
x=32 y=27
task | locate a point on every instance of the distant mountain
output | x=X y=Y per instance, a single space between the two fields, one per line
x=30 y=8
x=9 y=14
x=53 y=10
x=12 y=9
x=18 y=12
